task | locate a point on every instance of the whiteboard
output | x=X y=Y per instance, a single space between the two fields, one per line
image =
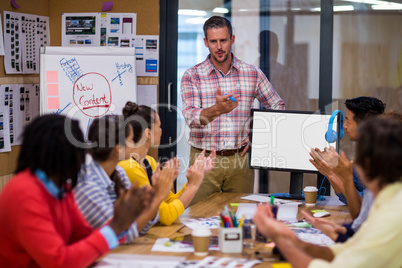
x=86 y=83
x=282 y=140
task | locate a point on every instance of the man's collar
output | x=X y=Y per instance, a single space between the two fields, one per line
x=235 y=64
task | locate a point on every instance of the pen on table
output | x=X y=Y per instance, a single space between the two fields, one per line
x=178 y=230
x=241 y=221
x=235 y=224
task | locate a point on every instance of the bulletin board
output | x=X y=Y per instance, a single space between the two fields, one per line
x=87 y=83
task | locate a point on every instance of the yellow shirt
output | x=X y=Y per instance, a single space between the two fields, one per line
x=378 y=242
x=171 y=208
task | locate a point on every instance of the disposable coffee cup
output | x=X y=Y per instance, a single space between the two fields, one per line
x=310 y=195
x=201 y=241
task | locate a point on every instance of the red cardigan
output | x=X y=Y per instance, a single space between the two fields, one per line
x=37 y=230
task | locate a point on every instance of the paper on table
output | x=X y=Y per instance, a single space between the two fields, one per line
x=267 y=199
x=226 y=262
x=167 y=245
x=287 y=212
x=246 y=209
x=203 y=223
x=139 y=261
x=313 y=235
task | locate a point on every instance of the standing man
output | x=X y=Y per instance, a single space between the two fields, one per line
x=218 y=95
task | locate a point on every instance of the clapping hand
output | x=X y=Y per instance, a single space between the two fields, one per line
x=162 y=179
x=329 y=228
x=269 y=226
x=130 y=204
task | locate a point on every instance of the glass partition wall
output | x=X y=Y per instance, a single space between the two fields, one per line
x=283 y=39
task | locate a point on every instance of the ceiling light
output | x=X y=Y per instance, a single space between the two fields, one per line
x=370 y=2
x=221 y=10
x=192 y=12
x=387 y=7
x=343 y=8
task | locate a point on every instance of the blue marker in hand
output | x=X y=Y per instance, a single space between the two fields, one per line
x=231 y=98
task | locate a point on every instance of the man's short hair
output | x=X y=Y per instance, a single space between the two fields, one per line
x=364 y=107
x=217 y=22
x=379 y=150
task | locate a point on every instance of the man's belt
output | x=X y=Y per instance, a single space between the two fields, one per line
x=225 y=152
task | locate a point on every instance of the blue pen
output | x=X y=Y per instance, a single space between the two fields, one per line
x=231 y=98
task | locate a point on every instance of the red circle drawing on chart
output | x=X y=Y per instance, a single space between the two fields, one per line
x=92 y=94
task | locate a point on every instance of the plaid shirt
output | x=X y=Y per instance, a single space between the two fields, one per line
x=198 y=91
x=95 y=196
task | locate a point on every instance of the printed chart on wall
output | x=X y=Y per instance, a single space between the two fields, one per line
x=1 y=38
x=24 y=34
x=86 y=83
x=98 y=29
x=147 y=52
x=19 y=105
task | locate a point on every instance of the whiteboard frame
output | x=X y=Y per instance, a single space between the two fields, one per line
x=82 y=51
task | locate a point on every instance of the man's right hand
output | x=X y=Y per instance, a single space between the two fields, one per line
x=129 y=206
x=223 y=102
x=223 y=105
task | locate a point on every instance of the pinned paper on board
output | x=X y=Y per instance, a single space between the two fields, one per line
x=1 y=38
x=24 y=34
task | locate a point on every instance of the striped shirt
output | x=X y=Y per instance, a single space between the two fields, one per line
x=95 y=196
x=198 y=91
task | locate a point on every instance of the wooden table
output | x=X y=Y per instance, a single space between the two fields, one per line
x=212 y=206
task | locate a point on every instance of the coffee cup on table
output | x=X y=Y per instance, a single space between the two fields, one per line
x=201 y=239
x=310 y=195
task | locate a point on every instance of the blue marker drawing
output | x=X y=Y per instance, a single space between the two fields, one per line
x=231 y=98
x=119 y=76
x=121 y=69
x=71 y=68
x=60 y=111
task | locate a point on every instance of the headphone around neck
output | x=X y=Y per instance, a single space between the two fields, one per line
x=331 y=135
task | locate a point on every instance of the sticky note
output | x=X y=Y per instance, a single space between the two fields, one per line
x=52 y=77
x=234 y=204
x=53 y=103
x=319 y=210
x=53 y=89
x=107 y=6
x=281 y=265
